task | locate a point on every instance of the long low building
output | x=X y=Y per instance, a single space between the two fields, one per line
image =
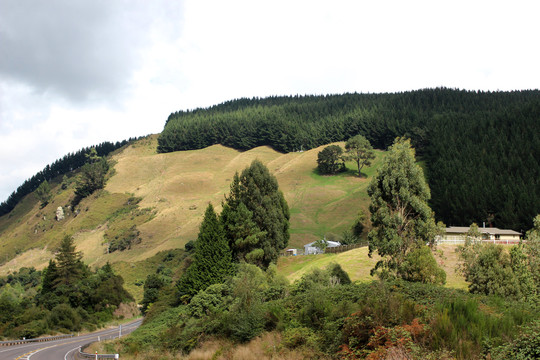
x=457 y=234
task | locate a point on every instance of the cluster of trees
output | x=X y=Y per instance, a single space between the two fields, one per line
x=65 y=296
x=323 y=315
x=331 y=159
x=496 y=270
x=67 y=164
x=481 y=149
x=407 y=315
x=253 y=227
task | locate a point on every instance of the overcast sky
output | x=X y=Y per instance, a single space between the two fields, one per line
x=74 y=73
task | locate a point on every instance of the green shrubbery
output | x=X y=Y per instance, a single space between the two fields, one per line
x=68 y=298
x=349 y=321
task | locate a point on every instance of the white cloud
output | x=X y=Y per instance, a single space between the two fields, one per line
x=79 y=73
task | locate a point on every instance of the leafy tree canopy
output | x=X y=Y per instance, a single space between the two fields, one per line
x=330 y=160
x=359 y=150
x=401 y=217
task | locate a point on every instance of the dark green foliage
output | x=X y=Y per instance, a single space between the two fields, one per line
x=333 y=275
x=330 y=160
x=190 y=246
x=212 y=259
x=62 y=166
x=526 y=346
x=420 y=266
x=492 y=270
x=26 y=277
x=152 y=286
x=64 y=317
x=124 y=239
x=428 y=321
x=336 y=271
x=401 y=217
x=256 y=216
x=63 y=304
x=359 y=224
x=43 y=193
x=91 y=178
x=69 y=267
x=481 y=149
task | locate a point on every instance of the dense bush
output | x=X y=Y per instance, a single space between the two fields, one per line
x=353 y=321
x=420 y=266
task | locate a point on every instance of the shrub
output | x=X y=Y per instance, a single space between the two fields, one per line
x=524 y=347
x=64 y=317
x=420 y=266
x=299 y=336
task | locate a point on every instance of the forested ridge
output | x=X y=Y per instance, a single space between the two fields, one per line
x=68 y=163
x=481 y=149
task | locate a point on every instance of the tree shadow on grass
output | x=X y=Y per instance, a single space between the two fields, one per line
x=348 y=172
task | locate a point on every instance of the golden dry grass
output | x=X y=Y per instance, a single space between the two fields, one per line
x=39 y=258
x=265 y=347
x=178 y=186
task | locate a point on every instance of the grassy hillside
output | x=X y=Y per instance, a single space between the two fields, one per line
x=175 y=189
x=357 y=264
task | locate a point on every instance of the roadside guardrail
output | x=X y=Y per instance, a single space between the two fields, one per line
x=43 y=339
x=84 y=355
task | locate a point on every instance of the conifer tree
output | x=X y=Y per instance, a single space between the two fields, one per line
x=256 y=216
x=43 y=193
x=69 y=267
x=212 y=259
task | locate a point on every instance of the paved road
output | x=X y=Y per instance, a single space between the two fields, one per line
x=63 y=349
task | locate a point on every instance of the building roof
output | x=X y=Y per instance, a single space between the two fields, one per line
x=328 y=243
x=490 y=230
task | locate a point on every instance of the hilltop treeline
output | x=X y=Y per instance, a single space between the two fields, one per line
x=481 y=149
x=61 y=166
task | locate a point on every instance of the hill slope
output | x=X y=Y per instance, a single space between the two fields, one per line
x=174 y=189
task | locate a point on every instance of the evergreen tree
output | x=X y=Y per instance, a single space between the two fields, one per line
x=359 y=150
x=401 y=217
x=43 y=193
x=92 y=176
x=256 y=216
x=212 y=259
x=49 y=277
x=329 y=160
x=69 y=267
x=243 y=234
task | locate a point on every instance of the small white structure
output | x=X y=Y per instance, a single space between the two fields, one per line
x=291 y=252
x=310 y=249
x=59 y=214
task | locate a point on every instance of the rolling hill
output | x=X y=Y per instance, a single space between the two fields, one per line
x=172 y=191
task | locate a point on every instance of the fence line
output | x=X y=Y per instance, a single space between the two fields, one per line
x=329 y=250
x=342 y=248
x=498 y=242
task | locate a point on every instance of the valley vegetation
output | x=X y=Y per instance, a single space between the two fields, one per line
x=225 y=289
x=405 y=314
x=67 y=296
